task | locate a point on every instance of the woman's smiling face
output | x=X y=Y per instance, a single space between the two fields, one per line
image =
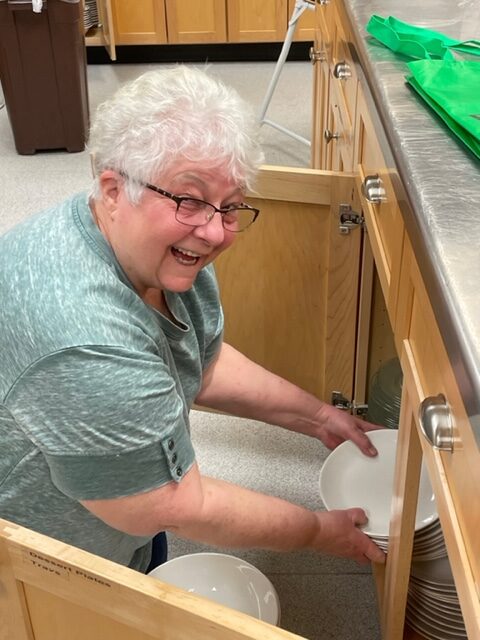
x=154 y=249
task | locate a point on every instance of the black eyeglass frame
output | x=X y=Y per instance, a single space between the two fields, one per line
x=179 y=199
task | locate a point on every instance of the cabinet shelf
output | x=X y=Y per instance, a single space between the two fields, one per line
x=94 y=37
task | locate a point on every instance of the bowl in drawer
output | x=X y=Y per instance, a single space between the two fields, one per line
x=227 y=580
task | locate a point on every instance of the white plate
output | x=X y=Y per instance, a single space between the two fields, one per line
x=349 y=478
x=433 y=529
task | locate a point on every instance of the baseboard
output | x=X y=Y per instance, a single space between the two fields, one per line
x=232 y=52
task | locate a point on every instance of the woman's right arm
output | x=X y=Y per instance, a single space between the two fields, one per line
x=227 y=515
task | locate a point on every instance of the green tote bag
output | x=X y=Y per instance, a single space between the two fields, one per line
x=417 y=42
x=452 y=89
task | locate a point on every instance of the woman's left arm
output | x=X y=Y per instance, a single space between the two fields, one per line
x=237 y=385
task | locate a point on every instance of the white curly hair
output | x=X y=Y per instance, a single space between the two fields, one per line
x=171 y=114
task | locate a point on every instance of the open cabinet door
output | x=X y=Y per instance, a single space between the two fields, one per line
x=52 y=591
x=289 y=284
x=105 y=15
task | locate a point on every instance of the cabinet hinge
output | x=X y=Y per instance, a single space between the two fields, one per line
x=349 y=219
x=340 y=402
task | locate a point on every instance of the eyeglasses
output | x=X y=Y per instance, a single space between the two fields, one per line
x=195 y=213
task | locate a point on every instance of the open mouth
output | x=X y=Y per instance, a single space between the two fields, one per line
x=183 y=256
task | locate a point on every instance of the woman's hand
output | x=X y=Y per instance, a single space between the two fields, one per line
x=340 y=536
x=234 y=384
x=335 y=426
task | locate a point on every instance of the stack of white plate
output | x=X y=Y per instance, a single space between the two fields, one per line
x=350 y=479
x=90 y=14
x=429 y=543
x=433 y=608
x=385 y=395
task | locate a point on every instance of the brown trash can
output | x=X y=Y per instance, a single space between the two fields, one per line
x=43 y=74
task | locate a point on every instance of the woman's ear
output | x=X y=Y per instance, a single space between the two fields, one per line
x=110 y=182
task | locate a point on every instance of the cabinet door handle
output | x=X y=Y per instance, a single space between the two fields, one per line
x=323 y=2
x=329 y=135
x=316 y=55
x=436 y=422
x=342 y=71
x=373 y=190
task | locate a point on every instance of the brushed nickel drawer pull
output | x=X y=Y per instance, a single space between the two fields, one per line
x=373 y=190
x=342 y=71
x=436 y=422
x=329 y=135
x=323 y=2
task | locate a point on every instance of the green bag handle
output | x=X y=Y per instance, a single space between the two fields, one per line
x=416 y=42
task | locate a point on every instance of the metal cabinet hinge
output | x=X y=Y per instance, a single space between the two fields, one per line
x=340 y=402
x=349 y=219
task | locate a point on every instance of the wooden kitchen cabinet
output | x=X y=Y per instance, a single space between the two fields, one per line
x=139 y=21
x=254 y=21
x=305 y=29
x=455 y=474
x=125 y=22
x=418 y=333
x=190 y=21
x=390 y=271
x=298 y=277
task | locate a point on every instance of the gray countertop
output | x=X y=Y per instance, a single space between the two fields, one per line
x=441 y=179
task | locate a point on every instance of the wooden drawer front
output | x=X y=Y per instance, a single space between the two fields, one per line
x=459 y=471
x=383 y=220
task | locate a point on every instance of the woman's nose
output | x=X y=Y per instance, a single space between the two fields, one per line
x=212 y=231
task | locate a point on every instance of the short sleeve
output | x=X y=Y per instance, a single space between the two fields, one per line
x=110 y=422
x=214 y=345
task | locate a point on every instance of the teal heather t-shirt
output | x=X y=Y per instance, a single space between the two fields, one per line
x=95 y=385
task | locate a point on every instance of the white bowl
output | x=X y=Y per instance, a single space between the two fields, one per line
x=225 y=579
x=349 y=478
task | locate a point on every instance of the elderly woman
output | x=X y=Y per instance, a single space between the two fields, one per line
x=111 y=328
